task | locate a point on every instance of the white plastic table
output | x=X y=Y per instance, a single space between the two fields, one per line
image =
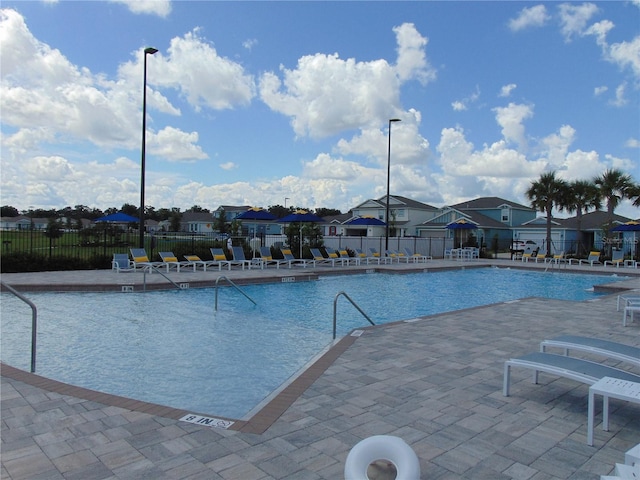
x=609 y=388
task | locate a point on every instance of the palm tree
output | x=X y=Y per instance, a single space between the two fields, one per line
x=614 y=186
x=581 y=196
x=545 y=193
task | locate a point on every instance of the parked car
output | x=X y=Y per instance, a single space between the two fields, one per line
x=523 y=245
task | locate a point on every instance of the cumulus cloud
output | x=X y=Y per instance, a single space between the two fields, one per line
x=219 y=83
x=535 y=16
x=506 y=90
x=619 y=100
x=161 y=8
x=325 y=94
x=600 y=90
x=510 y=118
x=463 y=104
x=574 y=18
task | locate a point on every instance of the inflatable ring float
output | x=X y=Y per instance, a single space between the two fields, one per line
x=382 y=447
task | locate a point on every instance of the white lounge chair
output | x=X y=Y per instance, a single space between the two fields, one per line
x=169 y=261
x=617 y=259
x=141 y=260
x=593 y=259
x=220 y=258
x=291 y=260
x=416 y=257
x=121 y=263
x=606 y=348
x=197 y=262
x=569 y=367
x=239 y=258
x=320 y=259
x=267 y=258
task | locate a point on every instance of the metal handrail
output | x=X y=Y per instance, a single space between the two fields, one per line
x=234 y=286
x=34 y=322
x=154 y=268
x=335 y=309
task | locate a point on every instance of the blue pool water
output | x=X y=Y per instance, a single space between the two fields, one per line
x=172 y=348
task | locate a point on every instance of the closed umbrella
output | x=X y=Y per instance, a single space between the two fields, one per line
x=301 y=216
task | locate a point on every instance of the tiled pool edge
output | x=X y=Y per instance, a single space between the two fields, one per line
x=257 y=424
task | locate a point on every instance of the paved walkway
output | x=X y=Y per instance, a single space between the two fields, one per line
x=436 y=382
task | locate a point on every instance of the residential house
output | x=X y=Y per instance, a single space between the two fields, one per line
x=23 y=222
x=197 y=222
x=405 y=214
x=493 y=216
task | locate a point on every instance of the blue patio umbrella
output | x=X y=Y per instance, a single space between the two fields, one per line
x=257 y=215
x=367 y=221
x=461 y=224
x=118 y=217
x=301 y=216
x=631 y=226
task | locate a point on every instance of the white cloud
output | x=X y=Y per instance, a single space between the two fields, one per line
x=626 y=54
x=161 y=8
x=249 y=43
x=228 y=166
x=325 y=94
x=175 y=145
x=556 y=146
x=574 y=18
x=620 y=99
x=219 y=82
x=510 y=118
x=412 y=60
x=632 y=142
x=600 y=90
x=535 y=16
x=460 y=105
x=506 y=90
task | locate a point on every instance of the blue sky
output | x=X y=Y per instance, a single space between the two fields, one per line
x=249 y=103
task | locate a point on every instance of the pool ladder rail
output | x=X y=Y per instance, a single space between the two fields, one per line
x=34 y=322
x=335 y=309
x=223 y=277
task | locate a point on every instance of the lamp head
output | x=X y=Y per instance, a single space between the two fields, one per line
x=150 y=50
x=394 y=120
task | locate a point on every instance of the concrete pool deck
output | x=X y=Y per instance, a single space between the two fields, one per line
x=435 y=382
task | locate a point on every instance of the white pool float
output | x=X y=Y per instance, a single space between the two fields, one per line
x=382 y=447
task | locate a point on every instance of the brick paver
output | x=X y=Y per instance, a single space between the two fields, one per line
x=435 y=382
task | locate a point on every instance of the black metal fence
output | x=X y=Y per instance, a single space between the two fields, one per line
x=33 y=249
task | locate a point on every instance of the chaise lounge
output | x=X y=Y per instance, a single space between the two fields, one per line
x=569 y=367
x=605 y=348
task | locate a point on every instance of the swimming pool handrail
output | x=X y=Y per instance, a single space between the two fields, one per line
x=34 y=322
x=335 y=309
x=234 y=286
x=155 y=268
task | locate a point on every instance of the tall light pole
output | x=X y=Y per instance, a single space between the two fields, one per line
x=386 y=216
x=147 y=51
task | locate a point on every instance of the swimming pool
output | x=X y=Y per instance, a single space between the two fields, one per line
x=172 y=348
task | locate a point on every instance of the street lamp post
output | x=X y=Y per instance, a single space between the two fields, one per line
x=147 y=51
x=386 y=216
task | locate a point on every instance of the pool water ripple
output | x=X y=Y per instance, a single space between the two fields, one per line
x=172 y=348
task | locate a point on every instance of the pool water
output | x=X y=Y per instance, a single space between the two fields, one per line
x=173 y=348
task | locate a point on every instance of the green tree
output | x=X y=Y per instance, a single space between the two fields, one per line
x=580 y=197
x=221 y=222
x=279 y=211
x=53 y=230
x=614 y=186
x=130 y=210
x=545 y=194
x=175 y=221
x=328 y=212
x=8 y=211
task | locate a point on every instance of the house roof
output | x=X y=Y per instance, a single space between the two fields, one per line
x=593 y=220
x=481 y=220
x=396 y=200
x=197 y=217
x=488 y=202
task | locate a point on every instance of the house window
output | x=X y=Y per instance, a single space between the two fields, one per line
x=505 y=215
